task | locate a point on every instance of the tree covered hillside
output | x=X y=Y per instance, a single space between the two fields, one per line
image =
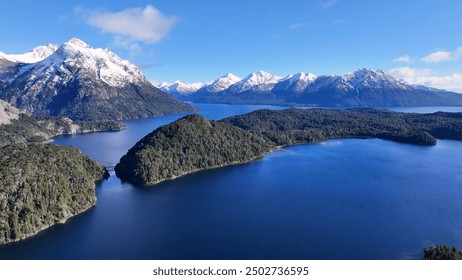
x=187 y=145
x=41 y=185
x=296 y=126
x=194 y=143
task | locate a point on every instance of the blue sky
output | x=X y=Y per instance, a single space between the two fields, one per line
x=419 y=41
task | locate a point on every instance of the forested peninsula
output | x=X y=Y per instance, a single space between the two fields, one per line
x=194 y=143
x=190 y=144
x=41 y=185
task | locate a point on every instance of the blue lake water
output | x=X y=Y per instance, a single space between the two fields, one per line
x=341 y=199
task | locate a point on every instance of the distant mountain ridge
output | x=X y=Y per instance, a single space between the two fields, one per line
x=361 y=88
x=81 y=82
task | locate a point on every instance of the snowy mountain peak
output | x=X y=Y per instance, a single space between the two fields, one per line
x=75 y=47
x=364 y=73
x=260 y=80
x=84 y=83
x=306 y=77
x=362 y=78
x=36 y=55
x=107 y=66
x=262 y=77
x=297 y=82
x=178 y=87
x=231 y=76
x=75 y=42
x=222 y=83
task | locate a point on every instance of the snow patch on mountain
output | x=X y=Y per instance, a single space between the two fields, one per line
x=36 y=55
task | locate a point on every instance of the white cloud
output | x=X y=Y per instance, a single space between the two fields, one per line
x=426 y=77
x=147 y=25
x=439 y=56
x=403 y=59
x=328 y=4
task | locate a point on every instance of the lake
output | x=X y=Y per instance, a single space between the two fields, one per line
x=340 y=199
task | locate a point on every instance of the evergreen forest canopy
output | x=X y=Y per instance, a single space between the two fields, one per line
x=41 y=185
x=187 y=145
x=194 y=143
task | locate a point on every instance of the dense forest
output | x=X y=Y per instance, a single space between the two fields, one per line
x=41 y=185
x=442 y=252
x=187 y=145
x=36 y=129
x=194 y=143
x=294 y=126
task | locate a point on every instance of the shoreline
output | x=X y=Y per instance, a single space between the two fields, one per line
x=272 y=149
x=64 y=221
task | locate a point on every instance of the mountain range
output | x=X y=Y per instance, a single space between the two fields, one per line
x=83 y=83
x=361 y=88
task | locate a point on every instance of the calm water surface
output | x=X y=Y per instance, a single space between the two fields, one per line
x=341 y=199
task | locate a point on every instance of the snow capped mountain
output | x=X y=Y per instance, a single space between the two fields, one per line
x=361 y=88
x=177 y=87
x=295 y=83
x=222 y=83
x=366 y=78
x=258 y=81
x=362 y=79
x=85 y=83
x=76 y=54
x=36 y=55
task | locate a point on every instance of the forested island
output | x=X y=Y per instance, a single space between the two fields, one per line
x=41 y=185
x=194 y=143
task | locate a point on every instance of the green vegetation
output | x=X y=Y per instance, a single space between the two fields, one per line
x=194 y=143
x=296 y=126
x=187 y=145
x=41 y=185
x=36 y=129
x=442 y=252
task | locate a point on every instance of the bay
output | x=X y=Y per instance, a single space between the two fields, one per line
x=340 y=199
